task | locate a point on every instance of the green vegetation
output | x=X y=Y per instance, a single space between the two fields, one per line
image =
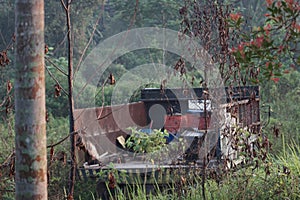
x=283 y=127
x=142 y=142
x=276 y=177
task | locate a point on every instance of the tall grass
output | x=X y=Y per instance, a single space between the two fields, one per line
x=277 y=178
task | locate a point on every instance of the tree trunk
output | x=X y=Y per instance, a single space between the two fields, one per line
x=30 y=122
x=67 y=6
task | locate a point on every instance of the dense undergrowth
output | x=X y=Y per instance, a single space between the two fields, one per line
x=277 y=177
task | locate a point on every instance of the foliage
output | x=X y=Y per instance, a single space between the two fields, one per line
x=7 y=138
x=56 y=86
x=283 y=120
x=123 y=15
x=280 y=181
x=142 y=142
x=113 y=175
x=58 y=170
x=6 y=22
x=270 y=50
x=84 y=16
x=249 y=184
x=6 y=83
x=58 y=179
x=85 y=190
x=57 y=128
x=265 y=49
x=154 y=147
x=7 y=160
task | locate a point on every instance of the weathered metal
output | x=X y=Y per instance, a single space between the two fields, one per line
x=99 y=129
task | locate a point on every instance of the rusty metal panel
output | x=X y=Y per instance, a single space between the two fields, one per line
x=117 y=118
x=99 y=127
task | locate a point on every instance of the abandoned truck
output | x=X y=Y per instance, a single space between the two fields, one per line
x=197 y=130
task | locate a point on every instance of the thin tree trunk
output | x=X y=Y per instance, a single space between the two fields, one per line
x=30 y=121
x=67 y=7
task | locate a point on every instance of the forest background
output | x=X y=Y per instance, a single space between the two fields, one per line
x=94 y=21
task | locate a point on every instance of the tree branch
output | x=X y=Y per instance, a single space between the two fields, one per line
x=60 y=43
x=52 y=76
x=64 y=5
x=54 y=65
x=8 y=158
x=90 y=39
x=114 y=50
x=62 y=140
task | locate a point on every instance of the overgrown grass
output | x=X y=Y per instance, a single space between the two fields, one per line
x=277 y=178
x=7 y=137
